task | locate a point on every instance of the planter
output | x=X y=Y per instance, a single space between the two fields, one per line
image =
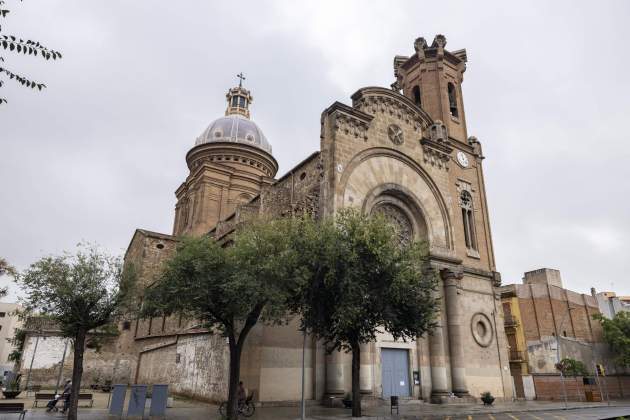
x=487 y=400
x=347 y=403
x=11 y=394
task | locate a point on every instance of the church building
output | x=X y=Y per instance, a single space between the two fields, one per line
x=403 y=151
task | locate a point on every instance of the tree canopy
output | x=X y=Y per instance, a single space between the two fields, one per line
x=6 y=269
x=357 y=280
x=617 y=334
x=17 y=45
x=229 y=287
x=79 y=292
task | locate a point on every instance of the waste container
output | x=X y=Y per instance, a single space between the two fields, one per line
x=394 y=404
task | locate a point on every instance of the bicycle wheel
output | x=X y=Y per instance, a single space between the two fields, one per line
x=248 y=409
x=223 y=408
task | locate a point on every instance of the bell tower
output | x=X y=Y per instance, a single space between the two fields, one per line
x=432 y=78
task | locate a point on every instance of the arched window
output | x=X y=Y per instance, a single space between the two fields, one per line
x=416 y=96
x=452 y=100
x=469 y=220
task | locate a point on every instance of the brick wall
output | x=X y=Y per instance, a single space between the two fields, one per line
x=549 y=387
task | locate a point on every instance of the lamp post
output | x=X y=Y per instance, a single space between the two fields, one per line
x=303 y=401
x=564 y=389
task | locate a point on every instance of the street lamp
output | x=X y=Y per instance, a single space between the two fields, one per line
x=564 y=389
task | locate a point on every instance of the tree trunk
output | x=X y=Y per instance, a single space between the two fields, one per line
x=77 y=372
x=356 y=390
x=235 y=373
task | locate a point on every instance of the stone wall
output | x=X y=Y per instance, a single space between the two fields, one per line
x=98 y=365
x=193 y=365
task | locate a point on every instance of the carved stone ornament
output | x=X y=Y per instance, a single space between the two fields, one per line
x=395 y=134
x=420 y=44
x=394 y=215
x=375 y=104
x=352 y=126
x=439 y=41
x=481 y=329
x=437 y=147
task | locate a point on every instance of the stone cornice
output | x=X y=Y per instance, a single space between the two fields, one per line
x=218 y=149
x=368 y=98
x=348 y=120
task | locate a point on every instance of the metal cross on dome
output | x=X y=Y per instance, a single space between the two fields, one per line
x=242 y=77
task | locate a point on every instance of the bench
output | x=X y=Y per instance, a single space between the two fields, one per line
x=86 y=397
x=42 y=396
x=33 y=388
x=13 y=408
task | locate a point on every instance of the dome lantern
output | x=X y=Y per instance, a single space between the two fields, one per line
x=238 y=99
x=236 y=126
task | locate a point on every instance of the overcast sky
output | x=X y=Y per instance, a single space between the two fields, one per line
x=101 y=151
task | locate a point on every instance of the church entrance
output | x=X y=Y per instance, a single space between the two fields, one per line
x=395 y=372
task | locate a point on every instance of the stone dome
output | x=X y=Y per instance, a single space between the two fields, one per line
x=234 y=128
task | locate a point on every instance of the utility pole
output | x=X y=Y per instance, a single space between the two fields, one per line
x=599 y=383
x=303 y=375
x=564 y=389
x=63 y=359
x=28 y=377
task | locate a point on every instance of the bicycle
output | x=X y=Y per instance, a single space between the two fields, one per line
x=245 y=409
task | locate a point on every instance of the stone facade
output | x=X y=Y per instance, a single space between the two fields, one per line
x=404 y=152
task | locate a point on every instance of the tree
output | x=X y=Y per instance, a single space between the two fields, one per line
x=617 y=334
x=229 y=289
x=18 y=45
x=356 y=280
x=80 y=292
x=572 y=367
x=6 y=268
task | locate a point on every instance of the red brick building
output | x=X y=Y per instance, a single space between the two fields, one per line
x=545 y=322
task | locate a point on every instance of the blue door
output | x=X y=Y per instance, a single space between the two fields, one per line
x=395 y=372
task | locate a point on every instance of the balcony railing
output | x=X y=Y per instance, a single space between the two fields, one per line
x=516 y=356
x=510 y=321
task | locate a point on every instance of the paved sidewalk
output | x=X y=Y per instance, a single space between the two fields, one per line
x=508 y=411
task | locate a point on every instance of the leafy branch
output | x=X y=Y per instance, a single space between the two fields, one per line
x=21 y=79
x=11 y=43
x=18 y=45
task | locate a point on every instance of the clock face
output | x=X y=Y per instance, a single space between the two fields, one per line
x=462 y=159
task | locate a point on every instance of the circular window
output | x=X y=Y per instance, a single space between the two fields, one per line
x=159 y=246
x=249 y=137
x=481 y=329
x=302 y=176
x=217 y=134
